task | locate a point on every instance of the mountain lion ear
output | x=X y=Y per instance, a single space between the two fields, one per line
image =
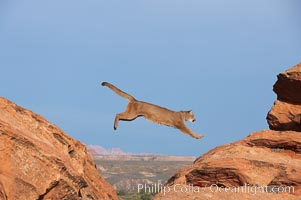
x=190 y=111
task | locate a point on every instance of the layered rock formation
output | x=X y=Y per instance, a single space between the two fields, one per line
x=264 y=165
x=39 y=161
x=286 y=112
x=257 y=166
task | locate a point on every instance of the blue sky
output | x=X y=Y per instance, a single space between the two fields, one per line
x=218 y=58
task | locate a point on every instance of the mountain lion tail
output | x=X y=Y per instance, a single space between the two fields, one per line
x=118 y=91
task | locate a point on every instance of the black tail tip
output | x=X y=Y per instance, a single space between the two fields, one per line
x=103 y=83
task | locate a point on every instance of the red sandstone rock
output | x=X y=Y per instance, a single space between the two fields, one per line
x=265 y=159
x=40 y=161
x=284 y=116
x=286 y=112
x=288 y=85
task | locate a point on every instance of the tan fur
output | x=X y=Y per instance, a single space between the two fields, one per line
x=153 y=113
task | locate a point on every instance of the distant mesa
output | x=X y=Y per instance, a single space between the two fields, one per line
x=39 y=161
x=100 y=153
x=265 y=165
x=115 y=151
x=99 y=150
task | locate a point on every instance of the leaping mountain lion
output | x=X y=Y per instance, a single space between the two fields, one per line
x=153 y=113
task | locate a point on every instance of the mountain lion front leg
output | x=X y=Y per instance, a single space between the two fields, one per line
x=125 y=117
x=186 y=130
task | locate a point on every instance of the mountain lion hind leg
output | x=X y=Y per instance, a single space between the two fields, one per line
x=127 y=115
x=186 y=130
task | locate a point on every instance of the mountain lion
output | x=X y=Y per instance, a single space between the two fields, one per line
x=153 y=113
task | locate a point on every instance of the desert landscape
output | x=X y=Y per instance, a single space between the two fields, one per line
x=126 y=171
x=40 y=161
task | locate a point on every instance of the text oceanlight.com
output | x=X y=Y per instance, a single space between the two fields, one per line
x=214 y=188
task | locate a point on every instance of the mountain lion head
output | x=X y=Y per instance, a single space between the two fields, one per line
x=189 y=116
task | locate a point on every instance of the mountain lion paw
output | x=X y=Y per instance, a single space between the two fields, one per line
x=199 y=136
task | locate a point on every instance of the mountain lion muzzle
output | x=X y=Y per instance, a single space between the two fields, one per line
x=153 y=113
